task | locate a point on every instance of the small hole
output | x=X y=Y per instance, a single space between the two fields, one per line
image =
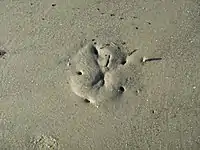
x=53 y=4
x=31 y=3
x=95 y=51
x=137 y=28
x=103 y=82
x=121 y=18
x=95 y=43
x=86 y=101
x=93 y=39
x=121 y=89
x=2 y=53
x=123 y=43
x=79 y=73
x=112 y=14
x=42 y=18
x=152 y=111
x=123 y=62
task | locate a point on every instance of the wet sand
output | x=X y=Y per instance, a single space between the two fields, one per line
x=144 y=74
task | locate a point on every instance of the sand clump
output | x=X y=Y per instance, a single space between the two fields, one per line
x=99 y=73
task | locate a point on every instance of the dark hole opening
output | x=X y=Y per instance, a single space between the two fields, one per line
x=2 y=53
x=123 y=43
x=53 y=4
x=95 y=51
x=86 y=101
x=123 y=62
x=121 y=88
x=79 y=73
x=103 y=82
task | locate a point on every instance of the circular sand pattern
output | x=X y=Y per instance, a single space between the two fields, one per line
x=100 y=73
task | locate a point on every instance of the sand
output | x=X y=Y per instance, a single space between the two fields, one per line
x=100 y=75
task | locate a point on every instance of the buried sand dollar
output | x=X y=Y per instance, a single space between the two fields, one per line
x=100 y=73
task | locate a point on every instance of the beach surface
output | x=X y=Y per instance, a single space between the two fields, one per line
x=100 y=75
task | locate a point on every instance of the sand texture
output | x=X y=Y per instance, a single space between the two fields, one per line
x=100 y=75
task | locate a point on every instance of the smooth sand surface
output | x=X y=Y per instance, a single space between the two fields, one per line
x=143 y=105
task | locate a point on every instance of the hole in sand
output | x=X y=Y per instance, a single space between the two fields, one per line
x=79 y=73
x=53 y=4
x=121 y=89
x=123 y=62
x=123 y=43
x=95 y=51
x=2 y=53
x=86 y=101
